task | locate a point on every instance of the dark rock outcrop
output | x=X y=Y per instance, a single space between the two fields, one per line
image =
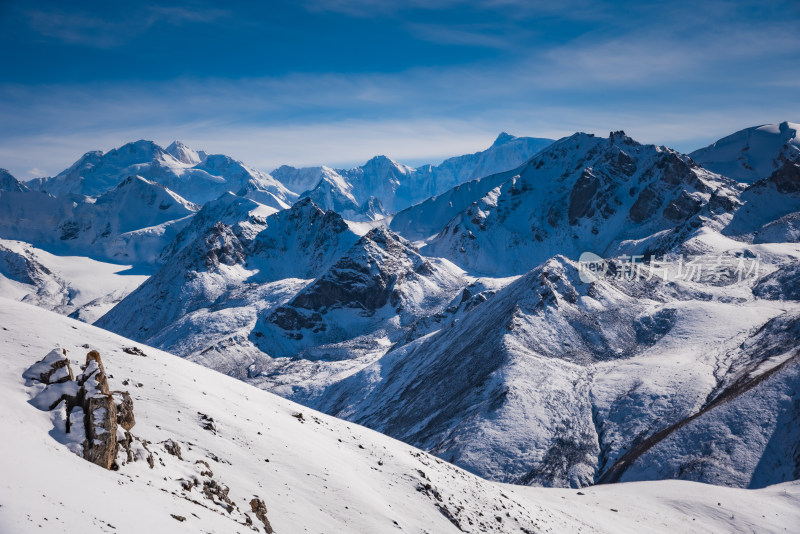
x=787 y=178
x=580 y=200
x=52 y=369
x=125 y=417
x=92 y=412
x=260 y=509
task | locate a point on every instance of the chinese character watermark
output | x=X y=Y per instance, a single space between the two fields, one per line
x=716 y=269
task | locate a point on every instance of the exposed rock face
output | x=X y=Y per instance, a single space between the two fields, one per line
x=125 y=417
x=100 y=418
x=222 y=247
x=260 y=509
x=381 y=276
x=92 y=412
x=783 y=284
x=52 y=369
x=647 y=202
x=787 y=178
x=683 y=207
x=100 y=413
x=580 y=200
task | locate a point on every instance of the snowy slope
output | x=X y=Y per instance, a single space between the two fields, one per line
x=71 y=285
x=132 y=222
x=753 y=153
x=195 y=176
x=425 y=219
x=381 y=186
x=314 y=473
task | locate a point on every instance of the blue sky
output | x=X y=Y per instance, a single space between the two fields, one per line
x=334 y=82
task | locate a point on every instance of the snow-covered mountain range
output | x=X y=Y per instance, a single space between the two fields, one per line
x=128 y=204
x=450 y=306
x=196 y=176
x=382 y=187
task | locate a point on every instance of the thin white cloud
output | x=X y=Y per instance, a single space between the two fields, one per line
x=91 y=28
x=181 y=14
x=481 y=35
x=76 y=28
x=371 y=8
x=572 y=9
x=36 y=173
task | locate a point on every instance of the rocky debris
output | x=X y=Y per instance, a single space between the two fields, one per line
x=207 y=423
x=136 y=449
x=222 y=246
x=125 y=417
x=202 y=489
x=208 y=471
x=136 y=351
x=52 y=369
x=178 y=517
x=172 y=447
x=218 y=494
x=260 y=509
x=92 y=414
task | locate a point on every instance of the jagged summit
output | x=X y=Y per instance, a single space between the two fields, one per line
x=238 y=257
x=503 y=138
x=9 y=183
x=382 y=186
x=380 y=161
x=184 y=154
x=194 y=176
x=581 y=193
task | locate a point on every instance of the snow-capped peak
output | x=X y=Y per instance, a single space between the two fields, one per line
x=503 y=138
x=384 y=163
x=753 y=153
x=184 y=154
x=9 y=183
x=193 y=175
x=382 y=186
